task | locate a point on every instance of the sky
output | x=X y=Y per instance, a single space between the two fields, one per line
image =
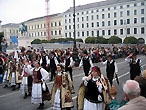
x=16 y=11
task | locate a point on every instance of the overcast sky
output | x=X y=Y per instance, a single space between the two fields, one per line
x=16 y=11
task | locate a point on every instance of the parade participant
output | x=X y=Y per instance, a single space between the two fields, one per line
x=1 y=68
x=44 y=60
x=94 y=91
x=62 y=90
x=135 y=65
x=40 y=91
x=68 y=64
x=26 y=85
x=53 y=63
x=86 y=62
x=111 y=68
x=5 y=78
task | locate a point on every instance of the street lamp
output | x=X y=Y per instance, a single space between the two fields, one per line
x=75 y=53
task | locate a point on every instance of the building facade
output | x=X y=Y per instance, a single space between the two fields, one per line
x=11 y=33
x=120 y=18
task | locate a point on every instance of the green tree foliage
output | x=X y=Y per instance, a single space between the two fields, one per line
x=79 y=40
x=36 y=41
x=114 y=40
x=130 y=40
x=96 y=40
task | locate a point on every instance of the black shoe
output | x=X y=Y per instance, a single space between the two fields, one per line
x=41 y=106
x=5 y=86
x=25 y=96
x=13 y=88
x=29 y=94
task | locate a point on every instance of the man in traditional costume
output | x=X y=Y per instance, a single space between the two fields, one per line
x=44 y=60
x=62 y=90
x=86 y=62
x=40 y=91
x=94 y=91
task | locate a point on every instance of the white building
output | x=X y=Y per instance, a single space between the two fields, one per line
x=107 y=18
x=0 y=26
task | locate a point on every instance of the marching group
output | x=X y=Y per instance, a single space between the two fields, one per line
x=29 y=71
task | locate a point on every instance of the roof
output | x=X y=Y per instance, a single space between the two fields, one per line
x=11 y=25
x=97 y=4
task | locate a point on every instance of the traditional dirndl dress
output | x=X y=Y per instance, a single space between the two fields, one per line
x=13 y=79
x=57 y=100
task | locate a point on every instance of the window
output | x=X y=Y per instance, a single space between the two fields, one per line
x=121 y=31
x=78 y=34
x=97 y=32
x=135 y=30
x=128 y=21
x=69 y=20
x=109 y=23
x=87 y=18
x=128 y=13
x=115 y=31
x=82 y=13
x=69 y=34
x=121 y=7
x=32 y=35
x=121 y=13
x=102 y=16
x=135 y=20
x=55 y=23
x=78 y=19
x=65 y=15
x=78 y=26
x=69 y=15
x=32 y=26
x=87 y=12
x=142 y=11
x=108 y=15
x=97 y=23
x=135 y=4
x=82 y=18
x=102 y=9
x=38 y=34
x=51 y=24
x=59 y=32
x=103 y=32
x=109 y=32
x=92 y=17
x=10 y=31
x=87 y=25
x=65 y=34
x=115 y=14
x=51 y=32
x=121 y=21
x=142 y=20
x=115 y=22
x=97 y=10
x=92 y=24
x=44 y=33
x=69 y=26
x=77 y=13
x=128 y=30
x=135 y=12
x=108 y=9
x=55 y=32
x=97 y=17
x=142 y=3
x=59 y=23
x=142 y=30
x=87 y=33
x=102 y=23
x=92 y=33
x=114 y=8
x=65 y=27
x=65 y=20
x=38 y=26
x=82 y=33
x=128 y=6
x=92 y=11
x=82 y=25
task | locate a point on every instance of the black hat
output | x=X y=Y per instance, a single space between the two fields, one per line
x=85 y=52
x=109 y=55
x=52 y=53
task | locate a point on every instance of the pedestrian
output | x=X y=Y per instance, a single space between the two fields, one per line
x=68 y=64
x=40 y=91
x=62 y=90
x=44 y=60
x=111 y=68
x=135 y=65
x=86 y=62
x=94 y=92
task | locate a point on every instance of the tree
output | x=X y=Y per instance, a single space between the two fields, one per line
x=141 y=41
x=44 y=41
x=130 y=40
x=79 y=40
x=114 y=40
x=96 y=40
x=90 y=40
x=36 y=41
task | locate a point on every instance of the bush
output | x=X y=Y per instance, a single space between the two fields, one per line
x=79 y=40
x=90 y=40
x=36 y=41
x=114 y=40
x=130 y=40
x=96 y=40
x=44 y=41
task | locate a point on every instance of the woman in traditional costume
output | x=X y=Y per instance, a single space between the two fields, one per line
x=94 y=91
x=62 y=90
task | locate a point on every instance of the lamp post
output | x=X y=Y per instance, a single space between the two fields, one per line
x=75 y=53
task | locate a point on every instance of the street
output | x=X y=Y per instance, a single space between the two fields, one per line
x=13 y=100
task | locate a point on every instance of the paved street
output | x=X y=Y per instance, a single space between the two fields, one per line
x=13 y=100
